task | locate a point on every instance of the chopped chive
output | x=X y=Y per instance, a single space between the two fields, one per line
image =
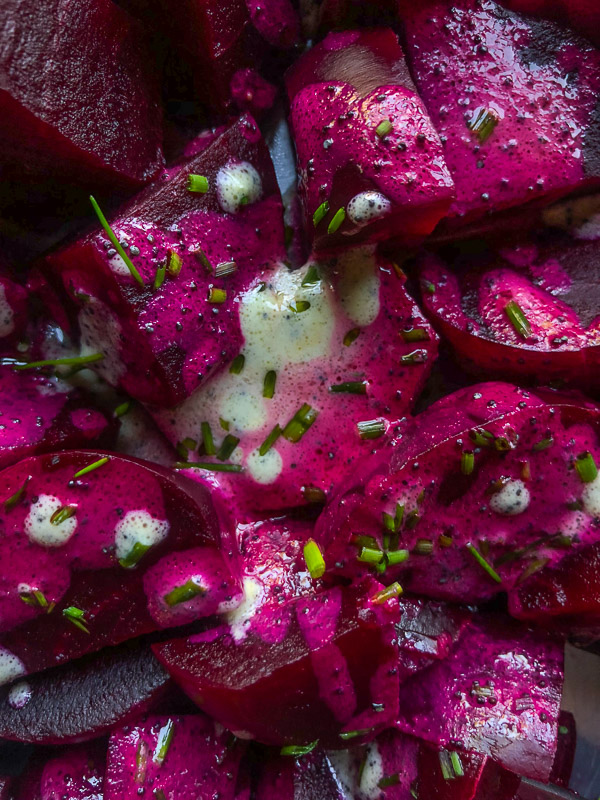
x=397 y=557
x=361 y=540
x=502 y=444
x=423 y=547
x=34 y=598
x=122 y=409
x=482 y=123
x=369 y=555
x=297 y=750
x=60 y=362
x=237 y=365
x=63 y=514
x=216 y=295
x=586 y=467
x=429 y=287
x=394 y=523
x=201 y=257
x=543 y=444
x=416 y=357
x=320 y=213
x=517 y=317
x=16 y=498
x=315 y=563
x=209 y=466
x=483 y=563
x=446 y=765
x=115 y=242
x=135 y=555
x=563 y=730
x=390 y=780
x=141 y=762
x=391 y=591
x=456 y=764
x=299 y=423
x=207 y=439
x=269 y=384
x=370 y=428
x=384 y=128
x=338 y=218
x=224 y=424
x=412 y=519
x=415 y=335
x=354 y=734
x=225 y=268
x=312 y=276
x=349 y=387
x=77 y=617
x=92 y=467
x=312 y=494
x=351 y=336
x=159 y=278
x=197 y=183
x=189 y=443
x=228 y=445
x=481 y=438
x=163 y=742
x=174 y=263
x=301 y=305
x=445 y=540
x=270 y=441
x=180 y=594
x=467 y=462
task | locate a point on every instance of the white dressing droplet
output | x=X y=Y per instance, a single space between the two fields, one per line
x=41 y=530
x=238 y=185
x=19 y=695
x=138 y=527
x=367 y=206
x=11 y=666
x=513 y=498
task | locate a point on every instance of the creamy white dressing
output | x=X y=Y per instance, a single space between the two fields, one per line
x=11 y=666
x=238 y=185
x=512 y=499
x=366 y=207
x=19 y=695
x=7 y=315
x=359 y=286
x=346 y=773
x=239 y=619
x=41 y=530
x=101 y=333
x=138 y=527
x=590 y=497
x=372 y=773
x=264 y=469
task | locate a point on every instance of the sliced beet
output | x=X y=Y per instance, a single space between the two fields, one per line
x=71 y=106
x=343 y=338
x=75 y=584
x=321 y=668
x=201 y=248
x=449 y=775
x=76 y=773
x=486 y=487
x=497 y=694
x=528 y=312
x=514 y=99
x=311 y=777
x=82 y=700
x=370 y=161
x=188 y=757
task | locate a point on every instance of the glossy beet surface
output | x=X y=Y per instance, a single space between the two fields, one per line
x=76 y=773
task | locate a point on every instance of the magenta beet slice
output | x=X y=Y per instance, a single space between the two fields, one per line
x=497 y=694
x=75 y=550
x=321 y=668
x=449 y=775
x=370 y=161
x=311 y=777
x=70 y=106
x=200 y=248
x=187 y=757
x=341 y=342
x=76 y=773
x=84 y=699
x=511 y=135
x=528 y=312
x=477 y=493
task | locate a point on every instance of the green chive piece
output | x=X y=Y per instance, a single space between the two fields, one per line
x=320 y=213
x=354 y=734
x=456 y=764
x=416 y=357
x=228 y=445
x=390 y=780
x=384 y=128
x=77 y=617
x=300 y=423
x=428 y=287
x=60 y=362
x=312 y=277
x=467 y=462
x=397 y=557
x=338 y=218
x=92 y=467
x=269 y=384
x=297 y=750
x=483 y=563
x=482 y=123
x=34 y=598
x=159 y=278
x=225 y=268
x=16 y=498
x=63 y=514
x=517 y=317
x=141 y=762
x=360 y=540
x=369 y=555
x=312 y=494
x=115 y=242
x=412 y=519
x=224 y=424
x=270 y=441
x=370 y=428
x=481 y=438
x=181 y=594
x=424 y=547
x=207 y=439
x=237 y=365
x=182 y=450
x=197 y=183
x=349 y=387
x=315 y=563
x=415 y=335
x=351 y=336
x=543 y=444
x=393 y=590
x=122 y=409
x=217 y=296
x=209 y=466
x=174 y=263
x=586 y=467
x=135 y=555
x=446 y=765
x=563 y=730
x=189 y=443
x=393 y=523
x=163 y=742
x=301 y=305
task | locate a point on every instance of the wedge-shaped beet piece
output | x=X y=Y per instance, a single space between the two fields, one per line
x=370 y=161
x=82 y=700
x=323 y=667
x=450 y=775
x=334 y=353
x=498 y=694
x=188 y=757
x=581 y=15
x=76 y=773
x=528 y=312
x=514 y=100
x=80 y=529
x=71 y=107
x=194 y=251
x=477 y=493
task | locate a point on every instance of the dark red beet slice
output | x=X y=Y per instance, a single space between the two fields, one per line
x=311 y=777
x=370 y=161
x=490 y=80
x=486 y=487
x=528 y=313
x=76 y=773
x=71 y=106
x=497 y=694
x=161 y=344
x=321 y=668
x=187 y=757
x=448 y=775
x=82 y=700
x=581 y=15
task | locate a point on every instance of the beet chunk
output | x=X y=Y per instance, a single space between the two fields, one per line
x=78 y=100
x=449 y=775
